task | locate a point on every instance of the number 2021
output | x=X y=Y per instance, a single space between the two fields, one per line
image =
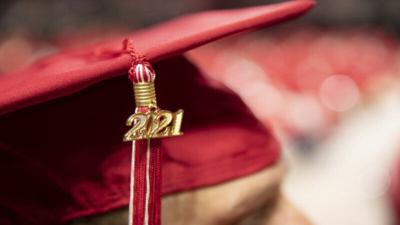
x=157 y=124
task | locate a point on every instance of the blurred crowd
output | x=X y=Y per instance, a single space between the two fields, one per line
x=304 y=78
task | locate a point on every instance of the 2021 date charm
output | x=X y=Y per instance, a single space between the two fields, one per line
x=149 y=121
x=158 y=124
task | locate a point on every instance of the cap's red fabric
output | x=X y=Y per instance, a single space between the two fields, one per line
x=72 y=71
x=63 y=156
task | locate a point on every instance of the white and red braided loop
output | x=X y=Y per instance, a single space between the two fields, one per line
x=142 y=73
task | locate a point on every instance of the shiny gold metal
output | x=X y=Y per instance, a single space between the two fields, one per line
x=149 y=121
x=154 y=124
x=145 y=95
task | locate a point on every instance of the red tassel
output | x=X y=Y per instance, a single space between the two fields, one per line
x=151 y=206
x=139 y=183
x=155 y=183
x=146 y=203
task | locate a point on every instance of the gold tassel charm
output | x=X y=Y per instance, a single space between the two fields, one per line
x=149 y=121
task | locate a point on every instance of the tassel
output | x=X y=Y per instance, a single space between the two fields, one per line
x=146 y=184
x=148 y=123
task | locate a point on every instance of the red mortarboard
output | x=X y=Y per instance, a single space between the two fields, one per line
x=61 y=124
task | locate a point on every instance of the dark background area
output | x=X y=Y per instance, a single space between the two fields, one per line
x=45 y=18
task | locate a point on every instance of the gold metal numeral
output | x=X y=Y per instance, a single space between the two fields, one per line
x=157 y=124
x=176 y=125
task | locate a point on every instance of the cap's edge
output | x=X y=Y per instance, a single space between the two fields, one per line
x=20 y=93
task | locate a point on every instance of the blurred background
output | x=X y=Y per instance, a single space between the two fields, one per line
x=329 y=83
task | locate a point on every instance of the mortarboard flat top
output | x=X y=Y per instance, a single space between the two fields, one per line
x=69 y=72
x=62 y=121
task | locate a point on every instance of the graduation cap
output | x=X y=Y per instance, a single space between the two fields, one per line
x=62 y=122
